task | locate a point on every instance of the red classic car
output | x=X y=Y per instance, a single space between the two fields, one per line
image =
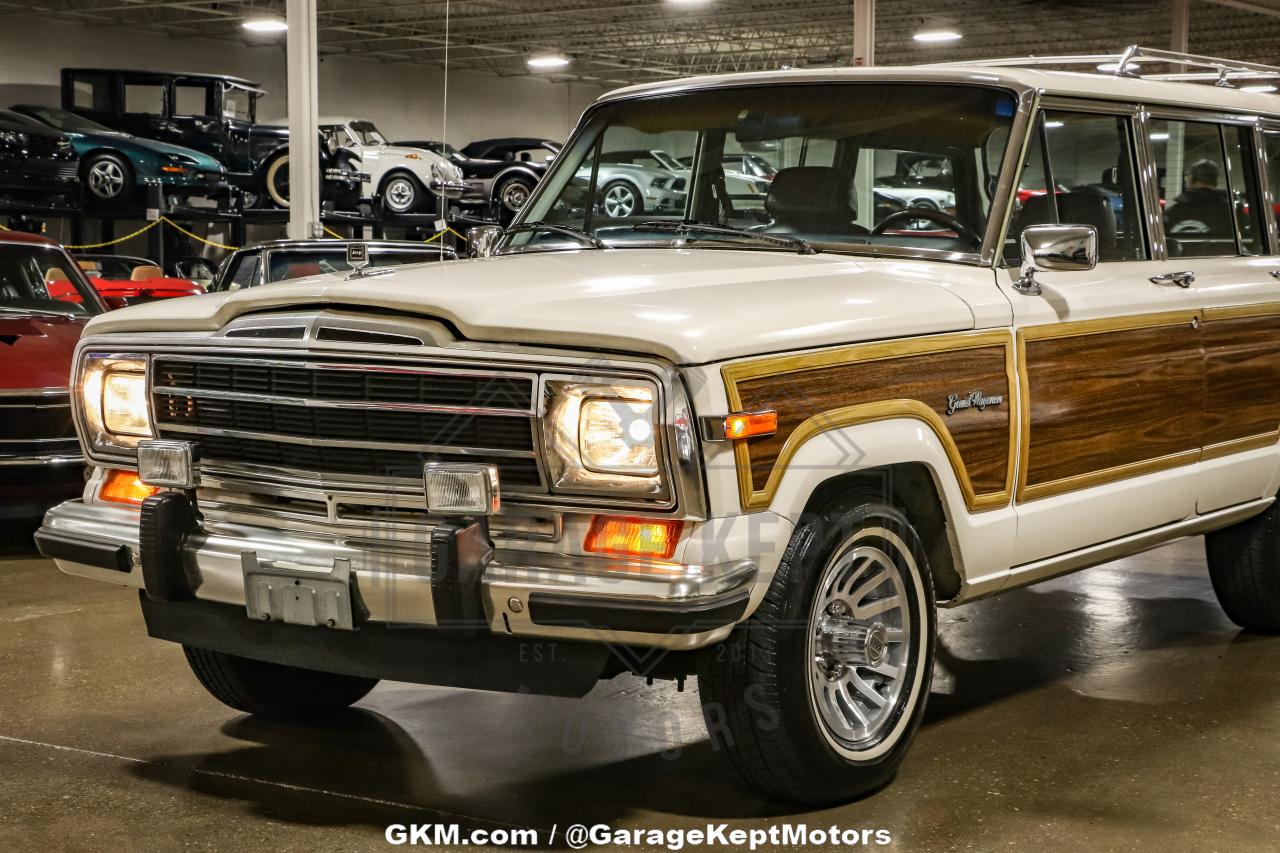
x=45 y=300
x=123 y=280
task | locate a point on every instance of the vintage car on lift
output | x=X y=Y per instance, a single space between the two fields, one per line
x=285 y=260
x=44 y=303
x=499 y=173
x=212 y=113
x=763 y=452
x=403 y=179
x=115 y=166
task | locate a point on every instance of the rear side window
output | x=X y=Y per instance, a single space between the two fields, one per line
x=245 y=272
x=1080 y=171
x=144 y=98
x=91 y=92
x=1208 y=189
x=193 y=99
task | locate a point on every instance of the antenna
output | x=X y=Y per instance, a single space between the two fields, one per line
x=443 y=208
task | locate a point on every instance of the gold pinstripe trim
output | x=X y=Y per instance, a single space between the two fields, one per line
x=752 y=499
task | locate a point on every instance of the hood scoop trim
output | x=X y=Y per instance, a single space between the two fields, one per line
x=340 y=327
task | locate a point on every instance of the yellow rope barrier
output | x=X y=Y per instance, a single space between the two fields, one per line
x=182 y=230
x=447 y=230
x=144 y=229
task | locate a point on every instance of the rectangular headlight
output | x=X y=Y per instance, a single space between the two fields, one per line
x=113 y=393
x=603 y=438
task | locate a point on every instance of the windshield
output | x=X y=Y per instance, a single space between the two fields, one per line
x=822 y=162
x=67 y=122
x=367 y=133
x=42 y=279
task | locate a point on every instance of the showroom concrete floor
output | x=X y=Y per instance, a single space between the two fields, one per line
x=1114 y=710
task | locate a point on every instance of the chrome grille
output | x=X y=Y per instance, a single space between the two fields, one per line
x=36 y=425
x=354 y=419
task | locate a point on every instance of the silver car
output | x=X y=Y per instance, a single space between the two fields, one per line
x=636 y=182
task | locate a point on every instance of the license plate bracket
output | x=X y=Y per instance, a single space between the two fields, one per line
x=298 y=596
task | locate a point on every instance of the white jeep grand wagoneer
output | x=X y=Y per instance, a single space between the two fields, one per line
x=756 y=443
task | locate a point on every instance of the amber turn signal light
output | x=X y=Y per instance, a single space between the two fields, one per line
x=633 y=537
x=124 y=487
x=750 y=424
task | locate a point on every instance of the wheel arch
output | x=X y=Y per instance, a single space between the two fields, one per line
x=131 y=162
x=393 y=172
x=970 y=549
x=513 y=172
x=911 y=486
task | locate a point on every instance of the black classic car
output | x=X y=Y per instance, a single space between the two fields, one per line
x=212 y=113
x=500 y=173
x=37 y=164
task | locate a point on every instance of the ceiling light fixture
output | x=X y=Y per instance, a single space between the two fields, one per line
x=1159 y=136
x=937 y=35
x=265 y=25
x=547 y=61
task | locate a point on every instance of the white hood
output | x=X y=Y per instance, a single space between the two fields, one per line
x=689 y=306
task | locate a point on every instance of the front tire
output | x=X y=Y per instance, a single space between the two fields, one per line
x=1244 y=565
x=273 y=690
x=108 y=177
x=403 y=194
x=620 y=200
x=817 y=696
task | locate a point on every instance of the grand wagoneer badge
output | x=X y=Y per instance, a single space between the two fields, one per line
x=973 y=400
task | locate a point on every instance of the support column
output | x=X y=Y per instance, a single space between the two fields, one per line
x=1180 y=29
x=864 y=32
x=304 y=134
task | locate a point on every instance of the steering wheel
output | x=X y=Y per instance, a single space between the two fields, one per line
x=946 y=220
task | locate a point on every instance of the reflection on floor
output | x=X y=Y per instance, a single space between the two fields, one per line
x=1114 y=710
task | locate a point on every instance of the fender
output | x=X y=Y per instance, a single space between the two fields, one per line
x=523 y=171
x=982 y=542
x=260 y=170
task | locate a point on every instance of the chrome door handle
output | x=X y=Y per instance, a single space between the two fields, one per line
x=1275 y=273
x=1183 y=279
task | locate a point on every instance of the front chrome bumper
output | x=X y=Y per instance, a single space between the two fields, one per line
x=524 y=593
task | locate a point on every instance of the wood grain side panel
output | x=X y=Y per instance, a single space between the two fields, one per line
x=1242 y=363
x=1111 y=400
x=982 y=437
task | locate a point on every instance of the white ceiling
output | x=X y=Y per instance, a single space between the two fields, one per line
x=621 y=42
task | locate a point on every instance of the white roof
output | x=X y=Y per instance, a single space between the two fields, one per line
x=1069 y=83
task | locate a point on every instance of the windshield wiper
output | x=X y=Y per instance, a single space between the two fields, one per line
x=582 y=237
x=688 y=227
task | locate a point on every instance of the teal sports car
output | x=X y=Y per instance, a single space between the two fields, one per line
x=115 y=166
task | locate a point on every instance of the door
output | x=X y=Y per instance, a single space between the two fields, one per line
x=144 y=105
x=196 y=122
x=1216 y=222
x=1110 y=363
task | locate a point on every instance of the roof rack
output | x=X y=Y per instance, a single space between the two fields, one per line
x=1220 y=72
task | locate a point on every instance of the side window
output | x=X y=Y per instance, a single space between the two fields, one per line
x=1207 y=189
x=91 y=92
x=144 y=98
x=246 y=272
x=193 y=100
x=1080 y=171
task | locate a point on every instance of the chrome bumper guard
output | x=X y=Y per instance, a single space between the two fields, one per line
x=513 y=593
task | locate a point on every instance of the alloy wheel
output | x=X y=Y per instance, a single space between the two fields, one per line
x=860 y=643
x=619 y=201
x=400 y=194
x=514 y=196
x=106 y=179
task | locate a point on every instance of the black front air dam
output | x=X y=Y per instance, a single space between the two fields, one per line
x=416 y=655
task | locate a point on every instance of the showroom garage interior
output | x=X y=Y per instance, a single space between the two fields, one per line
x=1118 y=707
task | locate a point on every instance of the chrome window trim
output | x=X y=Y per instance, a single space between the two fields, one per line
x=1264 y=167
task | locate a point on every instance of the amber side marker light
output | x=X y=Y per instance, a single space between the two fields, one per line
x=124 y=487
x=750 y=424
x=633 y=537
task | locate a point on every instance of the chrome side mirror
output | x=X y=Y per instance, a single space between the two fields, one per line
x=1055 y=248
x=482 y=241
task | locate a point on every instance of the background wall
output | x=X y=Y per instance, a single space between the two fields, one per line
x=403 y=100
